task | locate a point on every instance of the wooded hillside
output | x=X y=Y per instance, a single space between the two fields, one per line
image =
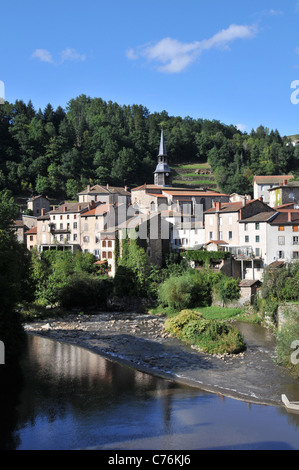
x=58 y=152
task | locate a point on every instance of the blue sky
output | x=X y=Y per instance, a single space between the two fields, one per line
x=228 y=60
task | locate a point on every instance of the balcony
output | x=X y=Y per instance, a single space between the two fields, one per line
x=245 y=253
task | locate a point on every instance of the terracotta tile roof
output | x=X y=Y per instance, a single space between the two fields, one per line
x=271 y=179
x=32 y=231
x=147 y=186
x=226 y=207
x=260 y=217
x=68 y=207
x=99 y=189
x=286 y=218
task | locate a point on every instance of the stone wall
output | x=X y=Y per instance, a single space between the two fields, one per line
x=287 y=312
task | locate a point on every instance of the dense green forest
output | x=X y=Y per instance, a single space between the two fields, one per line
x=58 y=152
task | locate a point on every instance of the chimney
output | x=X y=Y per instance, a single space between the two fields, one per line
x=244 y=201
x=107 y=186
x=126 y=188
x=289 y=216
x=218 y=206
x=43 y=211
x=65 y=208
x=88 y=188
x=79 y=207
x=92 y=204
x=285 y=182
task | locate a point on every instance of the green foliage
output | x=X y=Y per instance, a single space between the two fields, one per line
x=211 y=336
x=57 y=151
x=191 y=289
x=13 y=271
x=285 y=339
x=281 y=285
x=132 y=274
x=204 y=257
x=55 y=275
x=227 y=289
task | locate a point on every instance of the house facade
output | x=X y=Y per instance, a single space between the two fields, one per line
x=262 y=185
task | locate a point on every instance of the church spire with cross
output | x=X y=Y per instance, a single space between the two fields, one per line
x=162 y=174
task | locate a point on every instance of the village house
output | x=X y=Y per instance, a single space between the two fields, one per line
x=286 y=193
x=31 y=238
x=43 y=230
x=36 y=203
x=95 y=219
x=283 y=236
x=262 y=185
x=105 y=194
x=64 y=227
x=224 y=229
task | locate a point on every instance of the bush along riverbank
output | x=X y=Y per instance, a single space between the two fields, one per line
x=209 y=336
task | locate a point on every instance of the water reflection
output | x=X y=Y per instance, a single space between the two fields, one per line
x=74 y=399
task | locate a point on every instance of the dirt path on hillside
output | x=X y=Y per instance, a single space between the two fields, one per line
x=139 y=341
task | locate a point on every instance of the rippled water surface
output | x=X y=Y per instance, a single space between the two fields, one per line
x=74 y=399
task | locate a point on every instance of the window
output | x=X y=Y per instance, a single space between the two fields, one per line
x=257 y=238
x=220 y=235
x=280 y=254
x=75 y=237
x=61 y=238
x=61 y=226
x=68 y=216
x=295 y=254
x=104 y=255
x=257 y=252
x=85 y=227
x=220 y=221
x=246 y=239
x=230 y=221
x=246 y=227
x=295 y=228
x=295 y=240
x=109 y=254
x=43 y=228
x=53 y=217
x=230 y=235
x=75 y=225
x=103 y=243
x=281 y=240
x=31 y=238
x=211 y=235
x=61 y=217
x=281 y=228
x=109 y=243
x=257 y=226
x=86 y=239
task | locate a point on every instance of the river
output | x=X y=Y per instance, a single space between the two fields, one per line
x=71 y=398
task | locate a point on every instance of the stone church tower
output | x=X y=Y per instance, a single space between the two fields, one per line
x=162 y=174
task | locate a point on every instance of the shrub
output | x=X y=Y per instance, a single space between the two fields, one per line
x=211 y=336
x=192 y=289
x=83 y=290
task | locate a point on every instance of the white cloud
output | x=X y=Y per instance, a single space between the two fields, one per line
x=71 y=54
x=241 y=127
x=173 y=56
x=43 y=55
x=67 y=54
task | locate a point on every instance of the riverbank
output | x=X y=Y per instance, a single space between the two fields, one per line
x=139 y=341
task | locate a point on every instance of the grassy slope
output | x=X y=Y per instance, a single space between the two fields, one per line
x=188 y=175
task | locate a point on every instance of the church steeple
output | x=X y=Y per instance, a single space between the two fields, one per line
x=162 y=174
